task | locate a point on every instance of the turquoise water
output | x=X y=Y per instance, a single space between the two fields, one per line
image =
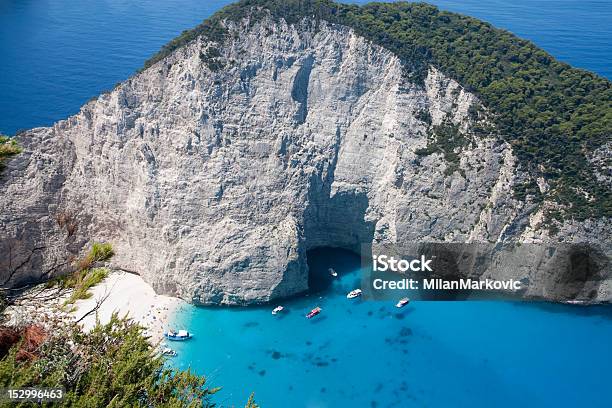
x=57 y=54
x=428 y=354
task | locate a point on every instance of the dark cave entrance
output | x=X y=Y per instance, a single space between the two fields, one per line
x=321 y=259
x=335 y=229
x=334 y=232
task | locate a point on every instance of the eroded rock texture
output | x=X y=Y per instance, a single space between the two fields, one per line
x=213 y=180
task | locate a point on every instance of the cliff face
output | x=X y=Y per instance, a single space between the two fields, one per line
x=215 y=170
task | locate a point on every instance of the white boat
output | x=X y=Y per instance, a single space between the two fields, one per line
x=167 y=351
x=402 y=302
x=353 y=294
x=333 y=272
x=277 y=309
x=574 y=302
x=178 y=336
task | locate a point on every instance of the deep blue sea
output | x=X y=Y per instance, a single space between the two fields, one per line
x=56 y=54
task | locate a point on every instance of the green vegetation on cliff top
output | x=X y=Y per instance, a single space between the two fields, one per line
x=553 y=115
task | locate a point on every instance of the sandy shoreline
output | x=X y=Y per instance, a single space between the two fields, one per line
x=126 y=293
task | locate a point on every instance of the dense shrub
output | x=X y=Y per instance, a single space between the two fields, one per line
x=112 y=366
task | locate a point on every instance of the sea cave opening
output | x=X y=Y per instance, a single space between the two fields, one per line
x=323 y=260
x=335 y=230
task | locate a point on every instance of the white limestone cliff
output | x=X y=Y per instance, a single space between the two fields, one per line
x=213 y=184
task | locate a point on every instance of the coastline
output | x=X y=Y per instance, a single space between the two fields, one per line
x=128 y=294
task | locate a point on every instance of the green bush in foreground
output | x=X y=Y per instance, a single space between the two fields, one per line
x=99 y=252
x=83 y=281
x=112 y=366
x=85 y=276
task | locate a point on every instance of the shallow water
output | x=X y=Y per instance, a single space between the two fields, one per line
x=56 y=54
x=370 y=354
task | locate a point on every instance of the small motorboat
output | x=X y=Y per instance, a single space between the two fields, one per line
x=167 y=351
x=333 y=272
x=353 y=294
x=402 y=302
x=574 y=302
x=277 y=309
x=178 y=336
x=313 y=312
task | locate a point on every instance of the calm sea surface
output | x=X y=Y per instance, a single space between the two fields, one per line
x=56 y=54
x=428 y=354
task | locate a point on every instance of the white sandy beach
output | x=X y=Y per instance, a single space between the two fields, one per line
x=129 y=294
